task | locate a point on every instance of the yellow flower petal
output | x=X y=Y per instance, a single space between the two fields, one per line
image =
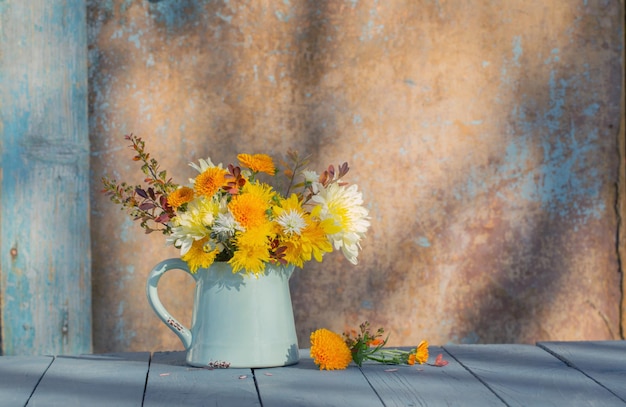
x=258 y=163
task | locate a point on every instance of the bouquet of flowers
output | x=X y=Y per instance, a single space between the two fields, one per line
x=228 y=214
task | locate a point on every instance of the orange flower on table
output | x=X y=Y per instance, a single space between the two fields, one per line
x=258 y=163
x=421 y=352
x=420 y=355
x=329 y=351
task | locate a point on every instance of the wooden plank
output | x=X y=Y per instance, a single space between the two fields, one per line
x=45 y=250
x=19 y=375
x=428 y=385
x=173 y=383
x=603 y=361
x=94 y=380
x=525 y=375
x=304 y=384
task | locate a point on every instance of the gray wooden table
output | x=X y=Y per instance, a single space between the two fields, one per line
x=549 y=374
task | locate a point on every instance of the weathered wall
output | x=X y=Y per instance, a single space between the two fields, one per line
x=483 y=134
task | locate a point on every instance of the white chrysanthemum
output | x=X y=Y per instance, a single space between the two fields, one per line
x=291 y=221
x=343 y=205
x=192 y=224
x=226 y=226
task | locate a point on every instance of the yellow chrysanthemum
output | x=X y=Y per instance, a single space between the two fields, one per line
x=312 y=242
x=180 y=197
x=200 y=255
x=249 y=208
x=258 y=163
x=252 y=249
x=210 y=181
x=329 y=351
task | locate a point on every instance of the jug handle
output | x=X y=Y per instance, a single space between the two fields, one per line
x=183 y=333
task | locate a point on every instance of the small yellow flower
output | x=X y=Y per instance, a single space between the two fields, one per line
x=199 y=255
x=329 y=351
x=180 y=197
x=210 y=181
x=258 y=163
x=252 y=249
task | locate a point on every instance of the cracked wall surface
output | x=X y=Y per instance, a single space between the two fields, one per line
x=484 y=136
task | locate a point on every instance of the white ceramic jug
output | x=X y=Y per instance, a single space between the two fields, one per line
x=238 y=320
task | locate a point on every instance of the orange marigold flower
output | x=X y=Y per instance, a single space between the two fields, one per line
x=258 y=163
x=210 y=181
x=248 y=210
x=329 y=351
x=179 y=197
x=421 y=352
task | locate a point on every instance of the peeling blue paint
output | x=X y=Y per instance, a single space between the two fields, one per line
x=554 y=57
x=591 y=110
x=423 y=241
x=135 y=39
x=517 y=50
x=117 y=34
x=177 y=14
x=122 y=335
x=125 y=5
x=127 y=230
x=228 y=19
x=46 y=151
